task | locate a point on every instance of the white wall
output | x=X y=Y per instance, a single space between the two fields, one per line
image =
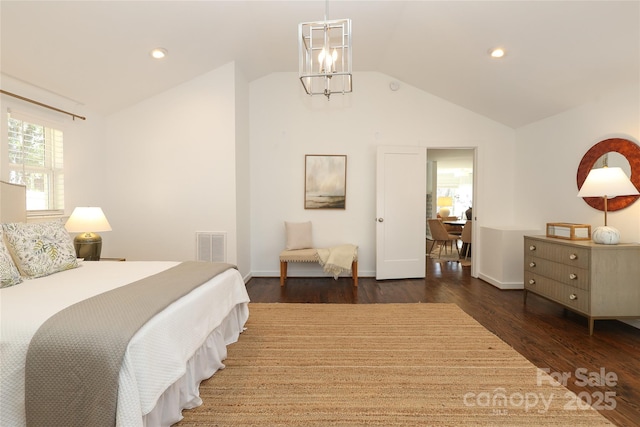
x=84 y=140
x=219 y=154
x=286 y=125
x=171 y=170
x=548 y=155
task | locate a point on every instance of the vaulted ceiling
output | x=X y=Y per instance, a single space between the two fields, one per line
x=560 y=54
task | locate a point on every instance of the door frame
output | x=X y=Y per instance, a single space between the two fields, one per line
x=477 y=203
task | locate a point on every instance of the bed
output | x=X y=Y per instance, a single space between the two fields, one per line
x=164 y=360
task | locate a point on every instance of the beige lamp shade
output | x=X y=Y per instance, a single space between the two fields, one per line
x=445 y=201
x=85 y=219
x=607 y=183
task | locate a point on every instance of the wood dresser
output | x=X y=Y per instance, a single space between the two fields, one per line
x=597 y=281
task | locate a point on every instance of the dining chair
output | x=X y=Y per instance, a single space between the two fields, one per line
x=466 y=238
x=451 y=228
x=440 y=235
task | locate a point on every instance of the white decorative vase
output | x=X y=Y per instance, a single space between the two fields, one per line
x=606 y=235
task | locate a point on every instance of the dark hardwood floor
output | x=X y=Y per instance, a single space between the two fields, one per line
x=541 y=331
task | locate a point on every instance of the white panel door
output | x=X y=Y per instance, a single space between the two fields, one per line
x=400 y=212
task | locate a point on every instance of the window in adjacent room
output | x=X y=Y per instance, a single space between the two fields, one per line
x=35 y=160
x=457 y=185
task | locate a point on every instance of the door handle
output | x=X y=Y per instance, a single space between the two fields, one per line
x=380 y=219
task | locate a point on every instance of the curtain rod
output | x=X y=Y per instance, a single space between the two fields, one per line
x=42 y=105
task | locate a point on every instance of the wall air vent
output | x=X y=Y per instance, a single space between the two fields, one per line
x=211 y=246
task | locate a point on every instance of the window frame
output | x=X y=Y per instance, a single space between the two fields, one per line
x=53 y=167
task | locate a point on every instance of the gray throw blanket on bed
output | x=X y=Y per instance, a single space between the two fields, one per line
x=74 y=359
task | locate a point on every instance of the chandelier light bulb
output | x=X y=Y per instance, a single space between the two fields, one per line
x=328 y=61
x=321 y=58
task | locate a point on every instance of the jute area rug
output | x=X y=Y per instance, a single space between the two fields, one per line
x=379 y=364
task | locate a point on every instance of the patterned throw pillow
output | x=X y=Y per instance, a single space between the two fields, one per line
x=40 y=249
x=9 y=274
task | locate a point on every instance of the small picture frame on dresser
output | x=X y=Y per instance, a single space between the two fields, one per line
x=569 y=231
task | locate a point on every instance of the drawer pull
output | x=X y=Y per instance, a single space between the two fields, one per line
x=573 y=276
x=532 y=264
x=532 y=248
x=573 y=297
x=532 y=281
x=573 y=256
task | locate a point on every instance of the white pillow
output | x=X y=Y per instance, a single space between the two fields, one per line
x=41 y=248
x=9 y=274
x=298 y=235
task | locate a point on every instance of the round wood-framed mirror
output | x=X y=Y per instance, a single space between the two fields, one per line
x=631 y=152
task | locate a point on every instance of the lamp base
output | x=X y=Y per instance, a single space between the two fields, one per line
x=88 y=246
x=606 y=235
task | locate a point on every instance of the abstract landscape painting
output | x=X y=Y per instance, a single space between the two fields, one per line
x=325 y=181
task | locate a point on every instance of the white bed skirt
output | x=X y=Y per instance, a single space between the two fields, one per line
x=157 y=354
x=184 y=393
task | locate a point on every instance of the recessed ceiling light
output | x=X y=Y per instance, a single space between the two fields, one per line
x=497 y=52
x=158 y=53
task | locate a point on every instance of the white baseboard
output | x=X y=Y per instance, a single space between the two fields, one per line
x=634 y=323
x=501 y=285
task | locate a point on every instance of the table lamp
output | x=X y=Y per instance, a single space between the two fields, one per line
x=87 y=221
x=443 y=203
x=607 y=183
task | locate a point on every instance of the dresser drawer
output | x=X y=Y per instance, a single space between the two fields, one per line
x=569 y=296
x=570 y=255
x=568 y=274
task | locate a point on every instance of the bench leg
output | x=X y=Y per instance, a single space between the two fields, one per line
x=354 y=273
x=283 y=272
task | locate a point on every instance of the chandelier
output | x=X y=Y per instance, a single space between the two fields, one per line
x=324 y=50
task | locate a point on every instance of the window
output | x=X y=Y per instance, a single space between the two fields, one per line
x=456 y=184
x=35 y=160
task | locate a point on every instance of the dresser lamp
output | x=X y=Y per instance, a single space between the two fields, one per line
x=87 y=221
x=607 y=183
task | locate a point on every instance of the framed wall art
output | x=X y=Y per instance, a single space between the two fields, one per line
x=325 y=185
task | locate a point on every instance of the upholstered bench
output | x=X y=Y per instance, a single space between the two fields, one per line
x=309 y=255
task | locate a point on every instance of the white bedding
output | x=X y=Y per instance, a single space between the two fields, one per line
x=156 y=356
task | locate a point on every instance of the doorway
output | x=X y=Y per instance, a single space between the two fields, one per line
x=451 y=190
x=401 y=206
